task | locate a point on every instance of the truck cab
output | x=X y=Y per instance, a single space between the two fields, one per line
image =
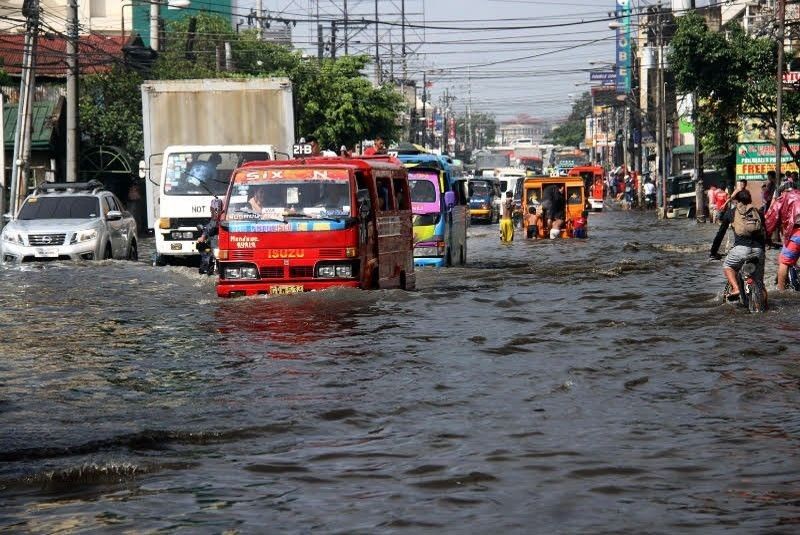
x=190 y=176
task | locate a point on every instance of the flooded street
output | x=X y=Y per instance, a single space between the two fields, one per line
x=568 y=386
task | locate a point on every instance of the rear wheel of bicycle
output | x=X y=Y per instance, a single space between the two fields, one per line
x=756 y=298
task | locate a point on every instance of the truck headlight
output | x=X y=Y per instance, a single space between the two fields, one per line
x=344 y=272
x=13 y=237
x=240 y=272
x=326 y=272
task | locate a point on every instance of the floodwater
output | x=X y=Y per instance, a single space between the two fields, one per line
x=548 y=387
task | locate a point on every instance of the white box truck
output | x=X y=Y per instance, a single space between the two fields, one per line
x=195 y=133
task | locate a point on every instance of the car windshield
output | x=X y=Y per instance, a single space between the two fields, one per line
x=480 y=189
x=277 y=200
x=66 y=207
x=204 y=173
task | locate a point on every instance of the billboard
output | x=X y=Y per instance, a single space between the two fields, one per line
x=754 y=159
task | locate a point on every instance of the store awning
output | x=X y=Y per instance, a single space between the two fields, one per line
x=45 y=120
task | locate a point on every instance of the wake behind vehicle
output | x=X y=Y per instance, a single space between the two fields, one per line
x=439 y=203
x=191 y=176
x=70 y=221
x=310 y=224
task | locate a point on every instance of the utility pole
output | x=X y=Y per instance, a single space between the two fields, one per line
x=424 y=109
x=320 y=43
x=72 y=91
x=780 y=6
x=346 y=37
x=403 y=33
x=378 y=73
x=22 y=134
x=259 y=21
x=333 y=39
x=154 y=12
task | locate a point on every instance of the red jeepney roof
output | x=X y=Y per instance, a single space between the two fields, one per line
x=366 y=162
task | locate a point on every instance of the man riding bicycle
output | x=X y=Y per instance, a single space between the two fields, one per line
x=749 y=239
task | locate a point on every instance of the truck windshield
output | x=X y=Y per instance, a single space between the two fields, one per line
x=277 y=200
x=204 y=173
x=72 y=207
x=480 y=189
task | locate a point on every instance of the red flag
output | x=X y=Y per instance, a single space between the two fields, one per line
x=428 y=84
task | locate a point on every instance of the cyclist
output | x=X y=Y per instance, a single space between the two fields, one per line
x=784 y=213
x=749 y=239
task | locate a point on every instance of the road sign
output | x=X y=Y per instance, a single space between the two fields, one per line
x=603 y=76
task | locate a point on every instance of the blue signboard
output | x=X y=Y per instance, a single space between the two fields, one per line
x=623 y=77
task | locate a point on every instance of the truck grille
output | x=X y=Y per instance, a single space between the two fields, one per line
x=241 y=255
x=46 y=239
x=301 y=272
x=331 y=253
x=271 y=272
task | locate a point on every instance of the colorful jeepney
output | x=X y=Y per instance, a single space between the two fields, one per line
x=535 y=191
x=593 y=182
x=440 y=204
x=305 y=225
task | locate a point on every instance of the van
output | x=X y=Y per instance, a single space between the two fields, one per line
x=535 y=187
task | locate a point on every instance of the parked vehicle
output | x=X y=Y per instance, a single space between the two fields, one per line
x=681 y=195
x=70 y=221
x=484 y=202
x=192 y=176
x=230 y=111
x=304 y=225
x=594 y=184
x=440 y=207
x=575 y=199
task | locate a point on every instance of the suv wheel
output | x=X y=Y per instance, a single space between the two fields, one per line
x=133 y=252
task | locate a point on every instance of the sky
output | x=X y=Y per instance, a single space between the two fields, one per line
x=502 y=57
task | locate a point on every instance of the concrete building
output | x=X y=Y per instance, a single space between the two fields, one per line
x=523 y=127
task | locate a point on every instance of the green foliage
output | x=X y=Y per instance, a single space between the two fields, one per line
x=188 y=55
x=734 y=76
x=110 y=108
x=484 y=127
x=573 y=132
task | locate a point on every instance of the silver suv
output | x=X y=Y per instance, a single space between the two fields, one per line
x=69 y=221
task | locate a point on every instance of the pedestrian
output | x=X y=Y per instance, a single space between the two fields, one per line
x=531 y=223
x=784 y=215
x=506 y=221
x=720 y=201
x=768 y=190
x=711 y=192
x=579 y=225
x=378 y=146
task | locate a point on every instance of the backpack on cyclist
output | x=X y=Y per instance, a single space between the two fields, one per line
x=747 y=221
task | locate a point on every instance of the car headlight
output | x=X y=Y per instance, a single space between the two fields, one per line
x=13 y=237
x=84 y=235
x=233 y=273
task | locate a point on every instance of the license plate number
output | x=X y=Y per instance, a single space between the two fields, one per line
x=176 y=246
x=283 y=289
x=46 y=253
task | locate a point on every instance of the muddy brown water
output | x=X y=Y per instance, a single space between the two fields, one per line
x=550 y=387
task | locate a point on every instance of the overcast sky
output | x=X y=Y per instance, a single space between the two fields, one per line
x=507 y=57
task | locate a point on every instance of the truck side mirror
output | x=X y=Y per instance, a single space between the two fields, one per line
x=142 y=169
x=449 y=199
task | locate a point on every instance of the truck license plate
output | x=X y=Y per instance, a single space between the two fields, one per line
x=176 y=246
x=282 y=289
x=46 y=253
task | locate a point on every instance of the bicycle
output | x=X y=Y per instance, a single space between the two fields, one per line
x=752 y=292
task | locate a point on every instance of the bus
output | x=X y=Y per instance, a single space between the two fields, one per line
x=309 y=224
x=440 y=207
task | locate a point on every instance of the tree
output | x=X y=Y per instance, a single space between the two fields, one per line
x=110 y=107
x=483 y=126
x=745 y=89
x=573 y=132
